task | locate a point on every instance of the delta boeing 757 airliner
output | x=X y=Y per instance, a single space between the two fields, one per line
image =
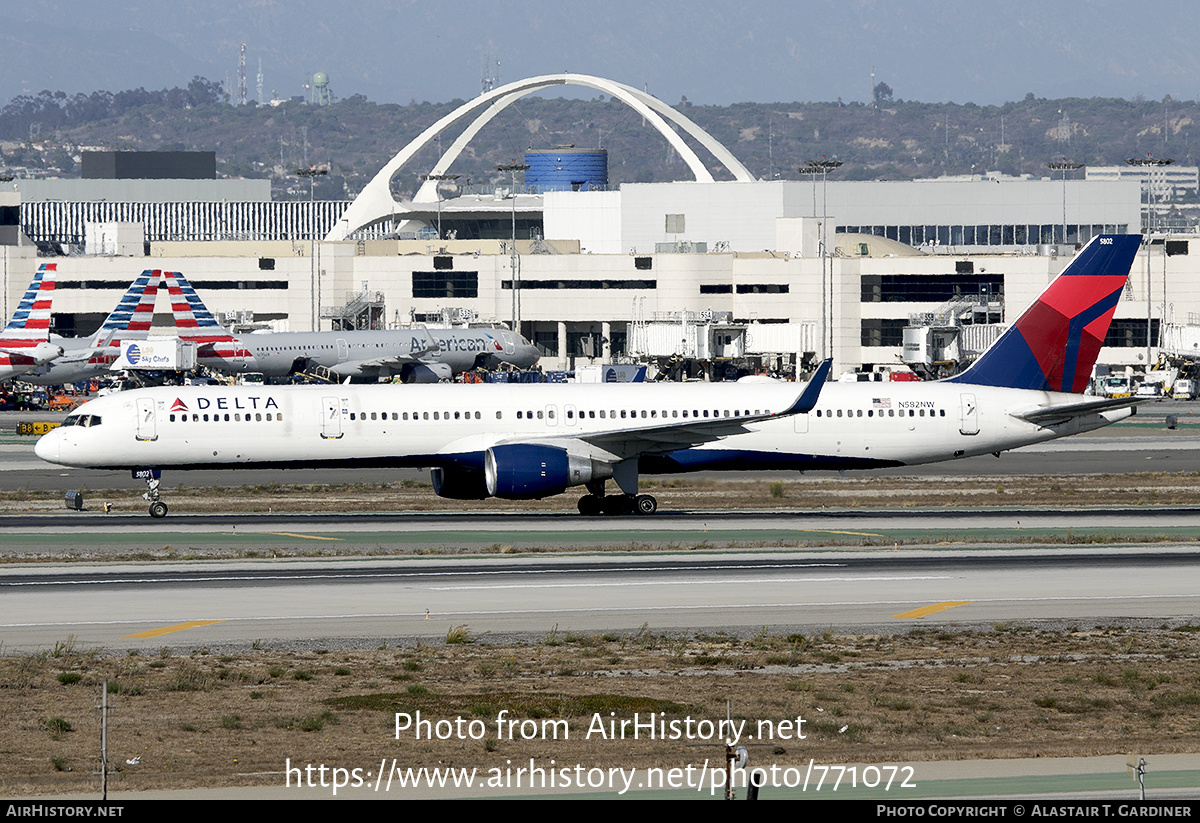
x=531 y=441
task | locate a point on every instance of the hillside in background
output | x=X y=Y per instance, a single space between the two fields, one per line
x=893 y=140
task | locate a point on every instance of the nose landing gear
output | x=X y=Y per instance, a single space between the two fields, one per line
x=158 y=508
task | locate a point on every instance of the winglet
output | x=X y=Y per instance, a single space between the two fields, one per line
x=432 y=346
x=807 y=400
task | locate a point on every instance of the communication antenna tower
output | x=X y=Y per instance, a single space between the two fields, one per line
x=260 y=82
x=242 y=75
x=489 y=76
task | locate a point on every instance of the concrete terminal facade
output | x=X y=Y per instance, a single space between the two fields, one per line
x=581 y=307
x=598 y=269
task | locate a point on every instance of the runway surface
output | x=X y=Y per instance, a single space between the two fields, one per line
x=505 y=587
x=345 y=602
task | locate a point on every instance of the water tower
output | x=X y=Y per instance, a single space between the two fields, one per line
x=321 y=95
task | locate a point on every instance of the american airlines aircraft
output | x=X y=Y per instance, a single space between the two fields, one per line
x=414 y=355
x=93 y=356
x=25 y=342
x=531 y=441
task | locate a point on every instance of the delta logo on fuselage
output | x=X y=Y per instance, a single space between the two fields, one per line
x=253 y=403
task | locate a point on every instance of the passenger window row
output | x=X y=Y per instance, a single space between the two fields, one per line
x=236 y=417
x=889 y=413
x=550 y=414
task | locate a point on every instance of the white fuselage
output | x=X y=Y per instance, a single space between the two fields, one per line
x=82 y=359
x=852 y=425
x=368 y=352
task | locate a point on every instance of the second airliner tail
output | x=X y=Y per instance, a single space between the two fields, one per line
x=193 y=320
x=132 y=317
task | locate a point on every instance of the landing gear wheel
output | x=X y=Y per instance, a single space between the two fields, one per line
x=617 y=504
x=591 y=505
x=158 y=509
x=645 y=504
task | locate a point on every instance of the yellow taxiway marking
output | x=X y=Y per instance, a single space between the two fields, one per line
x=936 y=607
x=305 y=536
x=178 y=627
x=832 y=531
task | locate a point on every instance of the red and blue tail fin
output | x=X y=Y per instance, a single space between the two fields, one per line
x=1055 y=342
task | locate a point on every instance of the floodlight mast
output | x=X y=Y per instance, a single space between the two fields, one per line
x=813 y=168
x=1148 y=164
x=513 y=168
x=1064 y=166
x=312 y=173
x=438 y=178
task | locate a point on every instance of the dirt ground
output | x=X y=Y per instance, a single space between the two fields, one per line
x=210 y=719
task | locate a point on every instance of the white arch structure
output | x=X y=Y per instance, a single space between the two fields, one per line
x=375 y=203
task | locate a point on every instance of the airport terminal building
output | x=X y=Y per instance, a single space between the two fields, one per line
x=786 y=271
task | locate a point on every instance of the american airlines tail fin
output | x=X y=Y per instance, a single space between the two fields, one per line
x=1055 y=342
x=131 y=319
x=193 y=320
x=31 y=320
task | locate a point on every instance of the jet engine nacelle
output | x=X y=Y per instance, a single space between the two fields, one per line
x=426 y=373
x=458 y=483
x=522 y=472
x=43 y=353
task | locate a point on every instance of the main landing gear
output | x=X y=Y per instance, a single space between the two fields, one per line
x=617 y=504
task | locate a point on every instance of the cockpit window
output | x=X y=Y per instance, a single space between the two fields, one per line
x=85 y=420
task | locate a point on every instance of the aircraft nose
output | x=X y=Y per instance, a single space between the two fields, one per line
x=48 y=447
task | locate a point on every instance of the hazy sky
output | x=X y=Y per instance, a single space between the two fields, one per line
x=710 y=52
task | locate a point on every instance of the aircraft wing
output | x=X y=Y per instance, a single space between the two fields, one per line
x=393 y=361
x=82 y=355
x=665 y=437
x=1050 y=415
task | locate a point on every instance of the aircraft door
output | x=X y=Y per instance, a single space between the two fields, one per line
x=968 y=414
x=552 y=415
x=146 y=424
x=331 y=418
x=343 y=350
x=800 y=423
x=506 y=340
x=570 y=412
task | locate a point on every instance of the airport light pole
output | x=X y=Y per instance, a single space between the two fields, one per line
x=438 y=178
x=513 y=168
x=823 y=167
x=1064 y=166
x=312 y=173
x=1147 y=165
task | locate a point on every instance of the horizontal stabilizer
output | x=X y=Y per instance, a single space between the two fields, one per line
x=1058 y=414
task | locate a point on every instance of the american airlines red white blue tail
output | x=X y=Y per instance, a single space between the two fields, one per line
x=89 y=357
x=25 y=342
x=529 y=441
